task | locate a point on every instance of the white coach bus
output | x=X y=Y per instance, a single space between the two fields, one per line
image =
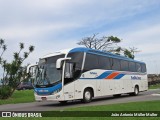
x=83 y=73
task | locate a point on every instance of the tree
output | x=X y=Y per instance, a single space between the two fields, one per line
x=103 y=44
x=13 y=72
x=108 y=44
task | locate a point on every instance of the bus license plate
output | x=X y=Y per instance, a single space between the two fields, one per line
x=43 y=98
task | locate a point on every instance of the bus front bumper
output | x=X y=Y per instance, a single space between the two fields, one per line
x=56 y=97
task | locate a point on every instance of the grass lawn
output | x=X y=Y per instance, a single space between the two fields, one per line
x=157 y=86
x=22 y=96
x=134 y=106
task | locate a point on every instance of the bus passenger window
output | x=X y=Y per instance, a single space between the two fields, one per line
x=115 y=64
x=138 y=67
x=143 y=68
x=124 y=65
x=104 y=63
x=132 y=67
x=91 y=62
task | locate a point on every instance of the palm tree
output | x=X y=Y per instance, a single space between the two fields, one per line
x=31 y=49
x=4 y=49
x=21 y=45
x=16 y=56
x=1 y=42
x=25 y=55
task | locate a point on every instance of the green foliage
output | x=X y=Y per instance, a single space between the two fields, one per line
x=113 y=39
x=13 y=72
x=5 y=92
x=128 y=53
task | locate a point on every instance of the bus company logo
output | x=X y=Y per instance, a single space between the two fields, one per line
x=93 y=73
x=135 y=78
x=43 y=90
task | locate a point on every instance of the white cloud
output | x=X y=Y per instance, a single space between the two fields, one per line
x=51 y=25
x=146 y=39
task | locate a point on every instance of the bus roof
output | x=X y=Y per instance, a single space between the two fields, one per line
x=93 y=51
x=88 y=50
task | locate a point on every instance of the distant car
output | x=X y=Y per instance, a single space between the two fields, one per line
x=25 y=85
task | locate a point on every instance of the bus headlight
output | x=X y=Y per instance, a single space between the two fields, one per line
x=56 y=91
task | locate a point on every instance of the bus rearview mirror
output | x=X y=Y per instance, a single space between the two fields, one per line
x=30 y=66
x=59 y=62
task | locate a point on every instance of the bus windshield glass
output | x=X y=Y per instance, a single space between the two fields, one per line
x=46 y=72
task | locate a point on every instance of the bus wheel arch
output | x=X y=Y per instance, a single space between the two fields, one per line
x=88 y=94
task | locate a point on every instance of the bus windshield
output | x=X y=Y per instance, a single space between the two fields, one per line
x=46 y=72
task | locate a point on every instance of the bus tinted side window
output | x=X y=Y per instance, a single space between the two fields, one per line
x=91 y=62
x=124 y=65
x=143 y=67
x=76 y=58
x=132 y=67
x=138 y=67
x=104 y=63
x=115 y=64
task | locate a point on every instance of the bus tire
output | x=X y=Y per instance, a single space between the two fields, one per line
x=136 y=91
x=87 y=95
x=63 y=102
x=117 y=95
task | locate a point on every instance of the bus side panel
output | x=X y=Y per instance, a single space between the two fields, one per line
x=108 y=87
x=68 y=91
x=118 y=86
x=81 y=85
x=127 y=84
x=144 y=83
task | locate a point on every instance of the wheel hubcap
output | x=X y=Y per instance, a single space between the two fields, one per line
x=136 y=90
x=87 y=95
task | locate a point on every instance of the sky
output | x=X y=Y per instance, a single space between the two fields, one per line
x=52 y=25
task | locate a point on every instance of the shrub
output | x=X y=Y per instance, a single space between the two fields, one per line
x=5 y=92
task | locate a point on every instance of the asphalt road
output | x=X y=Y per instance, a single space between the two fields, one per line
x=46 y=106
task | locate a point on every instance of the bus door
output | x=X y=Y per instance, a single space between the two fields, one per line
x=69 y=85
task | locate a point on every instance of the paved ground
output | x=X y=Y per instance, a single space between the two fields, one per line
x=45 y=106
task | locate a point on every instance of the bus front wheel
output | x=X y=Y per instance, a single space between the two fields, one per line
x=87 y=95
x=62 y=102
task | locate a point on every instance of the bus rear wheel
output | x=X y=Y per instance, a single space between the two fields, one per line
x=87 y=95
x=136 y=91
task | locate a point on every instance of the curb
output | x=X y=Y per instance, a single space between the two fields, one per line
x=156 y=94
